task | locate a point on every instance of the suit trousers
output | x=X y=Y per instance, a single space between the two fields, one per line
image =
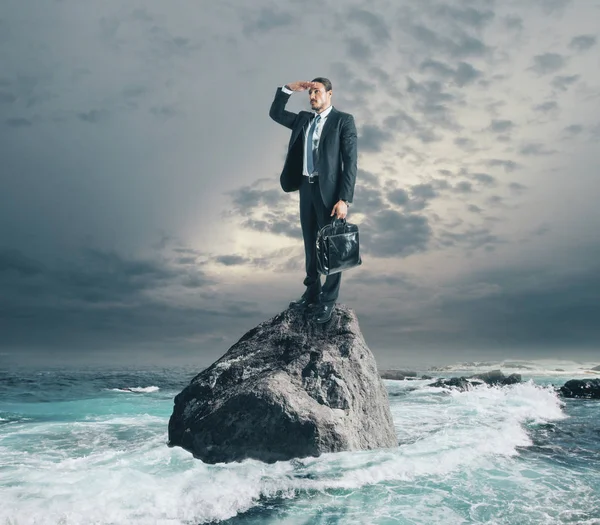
x=313 y=216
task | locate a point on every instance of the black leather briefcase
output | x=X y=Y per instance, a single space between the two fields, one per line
x=337 y=247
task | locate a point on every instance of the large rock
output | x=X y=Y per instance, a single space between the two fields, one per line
x=581 y=388
x=288 y=388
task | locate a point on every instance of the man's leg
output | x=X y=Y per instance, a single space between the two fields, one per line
x=331 y=287
x=309 y=224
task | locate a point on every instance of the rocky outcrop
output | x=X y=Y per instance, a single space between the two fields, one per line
x=288 y=388
x=397 y=375
x=492 y=378
x=497 y=377
x=581 y=388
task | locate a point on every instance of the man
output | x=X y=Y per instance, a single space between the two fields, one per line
x=321 y=164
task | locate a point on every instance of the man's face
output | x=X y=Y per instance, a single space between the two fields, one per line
x=319 y=98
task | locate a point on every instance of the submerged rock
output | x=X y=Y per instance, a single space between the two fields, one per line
x=288 y=388
x=581 y=388
x=458 y=383
x=497 y=377
x=493 y=377
x=398 y=375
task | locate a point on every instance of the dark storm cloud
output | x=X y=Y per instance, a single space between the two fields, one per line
x=388 y=233
x=398 y=196
x=547 y=63
x=232 y=260
x=551 y=310
x=378 y=29
x=372 y=138
x=265 y=20
x=358 y=49
x=287 y=225
x=7 y=98
x=93 y=116
x=582 y=42
x=18 y=122
x=97 y=299
x=463 y=75
x=401 y=122
x=508 y=165
x=563 y=82
x=248 y=198
x=15 y=261
x=433 y=102
x=472 y=239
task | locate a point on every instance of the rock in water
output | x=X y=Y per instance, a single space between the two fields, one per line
x=288 y=388
x=581 y=388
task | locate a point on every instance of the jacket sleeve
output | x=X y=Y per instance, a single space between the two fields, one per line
x=348 y=150
x=278 y=112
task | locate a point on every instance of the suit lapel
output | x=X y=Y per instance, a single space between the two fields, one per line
x=299 y=129
x=329 y=125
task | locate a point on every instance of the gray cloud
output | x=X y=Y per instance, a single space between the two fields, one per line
x=469 y=16
x=548 y=63
x=389 y=233
x=264 y=20
x=582 y=42
x=535 y=149
x=563 y=82
x=373 y=138
x=546 y=107
x=462 y=46
x=472 y=239
x=463 y=75
x=508 y=165
x=376 y=25
x=484 y=178
x=93 y=116
x=358 y=49
x=18 y=122
x=573 y=130
x=501 y=126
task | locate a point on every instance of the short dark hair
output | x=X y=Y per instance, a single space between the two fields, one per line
x=325 y=81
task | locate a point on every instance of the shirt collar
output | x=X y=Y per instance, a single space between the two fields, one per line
x=324 y=114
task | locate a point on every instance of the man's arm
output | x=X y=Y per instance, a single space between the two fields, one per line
x=349 y=153
x=278 y=112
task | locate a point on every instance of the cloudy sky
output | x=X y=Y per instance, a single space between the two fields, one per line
x=141 y=218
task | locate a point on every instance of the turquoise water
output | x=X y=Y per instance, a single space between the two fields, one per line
x=78 y=447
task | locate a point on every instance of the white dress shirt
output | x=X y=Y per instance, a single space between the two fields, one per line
x=316 y=133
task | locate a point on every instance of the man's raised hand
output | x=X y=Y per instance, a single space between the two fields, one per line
x=301 y=85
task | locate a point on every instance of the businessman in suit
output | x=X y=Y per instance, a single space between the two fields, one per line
x=321 y=164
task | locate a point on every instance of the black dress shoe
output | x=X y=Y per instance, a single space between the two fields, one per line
x=303 y=303
x=323 y=313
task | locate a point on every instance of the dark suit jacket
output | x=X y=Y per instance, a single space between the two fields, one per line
x=337 y=152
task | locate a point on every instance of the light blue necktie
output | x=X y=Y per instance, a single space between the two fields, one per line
x=311 y=154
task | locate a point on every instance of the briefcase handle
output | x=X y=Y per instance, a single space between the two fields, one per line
x=335 y=220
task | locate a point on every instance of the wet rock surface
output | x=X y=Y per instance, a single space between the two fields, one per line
x=288 y=388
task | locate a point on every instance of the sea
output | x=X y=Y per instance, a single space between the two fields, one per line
x=89 y=446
